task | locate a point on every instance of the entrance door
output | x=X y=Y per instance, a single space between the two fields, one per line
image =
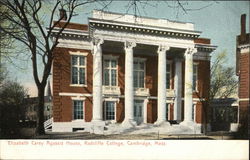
x=138 y=111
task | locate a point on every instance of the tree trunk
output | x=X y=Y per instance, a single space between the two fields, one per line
x=206 y=115
x=40 y=112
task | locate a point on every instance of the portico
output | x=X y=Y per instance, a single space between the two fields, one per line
x=164 y=42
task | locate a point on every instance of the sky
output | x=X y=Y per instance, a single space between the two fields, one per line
x=217 y=20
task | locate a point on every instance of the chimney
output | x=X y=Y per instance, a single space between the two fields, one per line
x=243 y=28
x=63 y=14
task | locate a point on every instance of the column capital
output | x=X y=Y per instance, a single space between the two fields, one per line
x=163 y=48
x=190 y=51
x=129 y=45
x=97 y=41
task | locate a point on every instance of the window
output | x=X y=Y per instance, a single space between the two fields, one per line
x=78 y=69
x=193 y=112
x=138 y=108
x=110 y=72
x=195 y=76
x=168 y=76
x=78 y=110
x=139 y=74
x=167 y=108
x=109 y=110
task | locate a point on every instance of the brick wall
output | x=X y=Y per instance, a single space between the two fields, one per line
x=61 y=83
x=244 y=75
x=244 y=86
x=62 y=105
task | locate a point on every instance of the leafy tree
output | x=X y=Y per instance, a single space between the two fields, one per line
x=223 y=80
x=223 y=84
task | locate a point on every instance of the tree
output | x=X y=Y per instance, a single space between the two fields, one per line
x=26 y=26
x=5 y=40
x=223 y=79
x=223 y=83
x=12 y=95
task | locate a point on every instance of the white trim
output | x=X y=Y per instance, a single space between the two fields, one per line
x=111 y=90
x=170 y=101
x=78 y=85
x=244 y=46
x=71 y=31
x=194 y=105
x=75 y=94
x=79 y=53
x=196 y=99
x=145 y=106
x=111 y=99
x=144 y=39
x=78 y=98
x=74 y=44
x=147 y=22
x=244 y=99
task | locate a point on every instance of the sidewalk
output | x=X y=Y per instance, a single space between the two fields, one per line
x=88 y=136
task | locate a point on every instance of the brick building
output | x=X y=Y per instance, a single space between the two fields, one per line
x=242 y=71
x=125 y=70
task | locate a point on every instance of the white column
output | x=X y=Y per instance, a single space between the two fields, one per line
x=178 y=89
x=161 y=93
x=188 y=93
x=129 y=88
x=97 y=80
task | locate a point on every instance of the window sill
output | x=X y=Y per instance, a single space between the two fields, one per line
x=170 y=92
x=113 y=90
x=109 y=122
x=78 y=120
x=141 y=91
x=78 y=85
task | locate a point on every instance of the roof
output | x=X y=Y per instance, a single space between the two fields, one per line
x=127 y=18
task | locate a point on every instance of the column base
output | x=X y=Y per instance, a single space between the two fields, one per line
x=129 y=123
x=194 y=128
x=161 y=123
x=96 y=120
x=188 y=123
x=234 y=127
x=97 y=126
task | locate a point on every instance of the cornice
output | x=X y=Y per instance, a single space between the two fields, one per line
x=71 y=33
x=141 y=29
x=205 y=47
x=244 y=46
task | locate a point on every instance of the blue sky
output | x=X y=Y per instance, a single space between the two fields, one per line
x=218 y=20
